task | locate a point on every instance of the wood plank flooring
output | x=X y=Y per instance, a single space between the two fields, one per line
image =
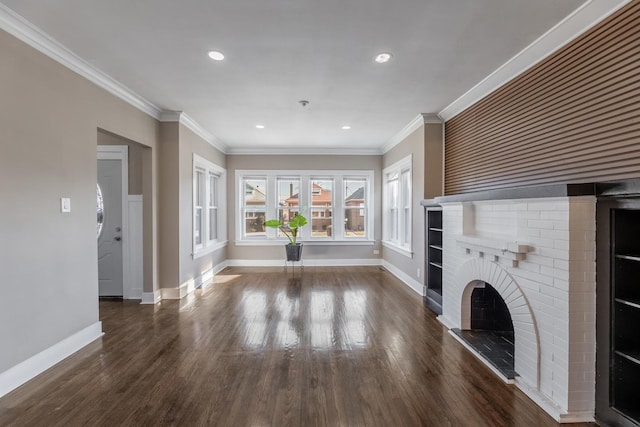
x=349 y=346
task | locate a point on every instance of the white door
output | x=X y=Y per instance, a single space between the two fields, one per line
x=110 y=271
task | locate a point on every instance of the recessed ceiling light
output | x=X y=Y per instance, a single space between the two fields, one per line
x=216 y=55
x=346 y=127
x=383 y=57
x=259 y=126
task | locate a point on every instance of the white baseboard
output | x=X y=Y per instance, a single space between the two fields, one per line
x=447 y=322
x=412 y=283
x=190 y=285
x=24 y=371
x=151 y=297
x=559 y=414
x=206 y=278
x=135 y=293
x=305 y=262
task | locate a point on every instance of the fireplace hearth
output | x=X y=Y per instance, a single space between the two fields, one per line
x=491 y=334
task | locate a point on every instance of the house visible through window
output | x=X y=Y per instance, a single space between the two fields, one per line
x=335 y=203
x=254 y=204
x=209 y=213
x=322 y=208
x=397 y=206
x=355 y=216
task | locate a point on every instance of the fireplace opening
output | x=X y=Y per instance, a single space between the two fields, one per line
x=491 y=334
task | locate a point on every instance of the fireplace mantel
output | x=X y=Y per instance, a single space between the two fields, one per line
x=509 y=250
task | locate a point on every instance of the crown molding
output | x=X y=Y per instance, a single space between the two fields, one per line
x=419 y=120
x=185 y=120
x=305 y=151
x=25 y=31
x=581 y=20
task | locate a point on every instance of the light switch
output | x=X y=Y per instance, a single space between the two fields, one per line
x=65 y=204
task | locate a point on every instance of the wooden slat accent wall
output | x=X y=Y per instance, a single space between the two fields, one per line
x=575 y=117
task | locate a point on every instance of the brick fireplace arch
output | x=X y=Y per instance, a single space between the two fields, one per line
x=470 y=275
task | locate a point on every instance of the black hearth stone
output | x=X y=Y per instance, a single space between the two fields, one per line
x=496 y=347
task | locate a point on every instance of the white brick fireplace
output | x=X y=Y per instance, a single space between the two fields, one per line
x=539 y=254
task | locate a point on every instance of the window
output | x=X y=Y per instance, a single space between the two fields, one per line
x=100 y=210
x=288 y=200
x=336 y=203
x=213 y=206
x=355 y=208
x=321 y=207
x=254 y=202
x=198 y=214
x=397 y=206
x=209 y=213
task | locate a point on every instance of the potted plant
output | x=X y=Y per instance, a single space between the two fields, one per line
x=293 y=248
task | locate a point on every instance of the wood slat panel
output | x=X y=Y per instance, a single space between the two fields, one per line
x=575 y=117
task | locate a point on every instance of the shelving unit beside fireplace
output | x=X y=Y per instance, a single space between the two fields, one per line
x=625 y=312
x=433 y=259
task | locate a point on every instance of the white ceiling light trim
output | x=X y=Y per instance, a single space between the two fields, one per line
x=25 y=31
x=216 y=55
x=383 y=58
x=581 y=20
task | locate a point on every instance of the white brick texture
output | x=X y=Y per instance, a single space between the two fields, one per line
x=550 y=293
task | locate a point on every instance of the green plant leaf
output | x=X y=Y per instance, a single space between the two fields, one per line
x=298 y=221
x=273 y=223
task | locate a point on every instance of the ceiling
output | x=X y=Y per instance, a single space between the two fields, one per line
x=279 y=52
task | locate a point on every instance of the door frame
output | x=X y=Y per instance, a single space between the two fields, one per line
x=121 y=152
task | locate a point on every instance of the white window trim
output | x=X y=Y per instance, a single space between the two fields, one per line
x=305 y=177
x=207 y=246
x=403 y=248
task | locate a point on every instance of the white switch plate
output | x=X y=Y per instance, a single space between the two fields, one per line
x=376 y=252
x=65 y=204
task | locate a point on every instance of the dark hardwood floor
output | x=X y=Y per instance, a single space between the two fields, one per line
x=262 y=347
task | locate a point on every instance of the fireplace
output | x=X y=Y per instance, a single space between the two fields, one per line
x=520 y=265
x=491 y=335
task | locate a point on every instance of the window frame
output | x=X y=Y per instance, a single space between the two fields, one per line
x=211 y=174
x=397 y=198
x=305 y=178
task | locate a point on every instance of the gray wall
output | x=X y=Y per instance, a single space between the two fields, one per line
x=190 y=143
x=303 y=162
x=136 y=153
x=169 y=254
x=413 y=144
x=49 y=118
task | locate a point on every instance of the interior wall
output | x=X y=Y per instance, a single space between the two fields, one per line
x=303 y=162
x=49 y=118
x=413 y=145
x=190 y=144
x=135 y=158
x=169 y=203
x=575 y=117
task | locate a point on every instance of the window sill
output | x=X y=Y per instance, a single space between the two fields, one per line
x=399 y=249
x=306 y=242
x=209 y=249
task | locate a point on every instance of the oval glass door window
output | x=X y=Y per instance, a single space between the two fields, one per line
x=100 y=211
